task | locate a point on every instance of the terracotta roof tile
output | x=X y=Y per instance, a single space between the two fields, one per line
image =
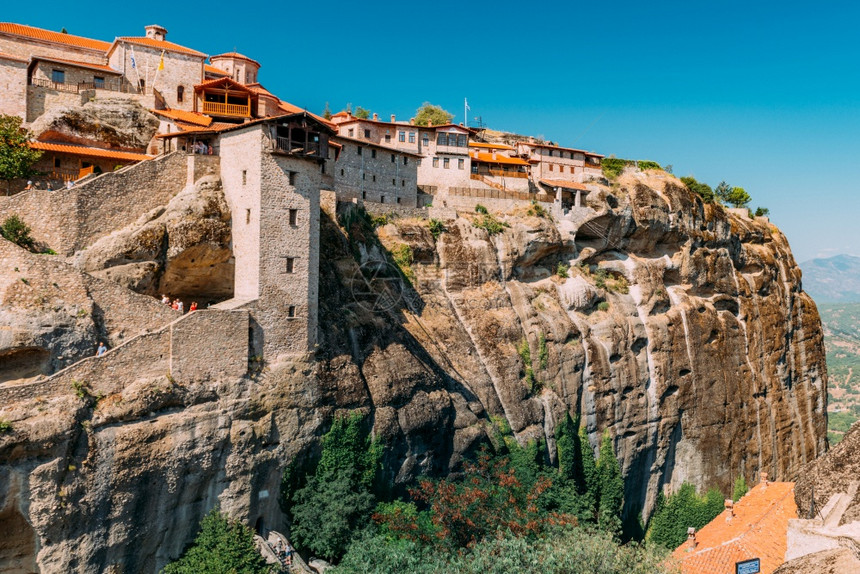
x=159 y=45
x=547 y=146
x=291 y=109
x=79 y=64
x=487 y=157
x=86 y=151
x=234 y=55
x=195 y=118
x=219 y=81
x=55 y=37
x=210 y=69
x=564 y=183
x=757 y=530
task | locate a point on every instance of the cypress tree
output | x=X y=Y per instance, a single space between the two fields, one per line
x=611 y=488
x=590 y=479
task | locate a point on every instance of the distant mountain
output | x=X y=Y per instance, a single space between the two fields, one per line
x=832 y=280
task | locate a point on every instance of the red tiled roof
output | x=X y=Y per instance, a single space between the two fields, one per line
x=54 y=37
x=4 y=56
x=258 y=88
x=99 y=67
x=563 y=183
x=341 y=115
x=490 y=145
x=187 y=129
x=757 y=530
x=487 y=157
x=86 y=151
x=159 y=45
x=210 y=69
x=195 y=118
x=217 y=82
x=291 y=109
x=234 y=55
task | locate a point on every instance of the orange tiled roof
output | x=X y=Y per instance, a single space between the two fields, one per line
x=86 y=151
x=487 y=157
x=258 y=88
x=564 y=183
x=235 y=55
x=218 y=81
x=757 y=530
x=291 y=109
x=100 y=67
x=195 y=118
x=489 y=145
x=54 y=37
x=159 y=45
x=210 y=69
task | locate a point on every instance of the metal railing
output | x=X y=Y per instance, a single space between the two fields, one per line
x=222 y=109
x=297 y=147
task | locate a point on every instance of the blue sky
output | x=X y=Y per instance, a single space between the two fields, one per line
x=760 y=94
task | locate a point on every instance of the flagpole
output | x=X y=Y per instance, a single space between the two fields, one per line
x=134 y=65
x=158 y=69
x=465 y=112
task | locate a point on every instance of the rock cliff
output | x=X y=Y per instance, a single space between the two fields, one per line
x=681 y=329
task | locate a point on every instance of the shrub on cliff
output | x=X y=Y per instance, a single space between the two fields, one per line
x=703 y=190
x=680 y=511
x=16 y=156
x=15 y=230
x=222 y=546
x=611 y=488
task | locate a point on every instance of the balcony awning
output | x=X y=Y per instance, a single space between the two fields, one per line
x=227 y=84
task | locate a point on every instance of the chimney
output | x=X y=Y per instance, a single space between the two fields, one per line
x=429 y=123
x=375 y=117
x=393 y=117
x=691 y=538
x=411 y=121
x=156 y=32
x=461 y=123
x=764 y=479
x=730 y=506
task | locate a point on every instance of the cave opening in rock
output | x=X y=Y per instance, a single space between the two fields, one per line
x=17 y=545
x=22 y=363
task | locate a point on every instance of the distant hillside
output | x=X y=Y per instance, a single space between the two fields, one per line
x=842 y=340
x=832 y=280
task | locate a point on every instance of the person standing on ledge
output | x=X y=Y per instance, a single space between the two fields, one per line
x=102 y=349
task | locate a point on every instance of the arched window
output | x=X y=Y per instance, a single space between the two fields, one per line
x=180 y=93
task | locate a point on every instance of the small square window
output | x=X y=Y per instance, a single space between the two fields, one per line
x=291 y=311
x=341 y=172
x=425 y=139
x=58 y=76
x=405 y=160
x=387 y=138
x=290 y=264
x=392 y=158
x=398 y=200
x=56 y=162
x=411 y=137
x=350 y=132
x=393 y=181
x=374 y=178
x=402 y=183
x=363 y=195
x=373 y=153
x=550 y=167
x=358 y=150
x=402 y=136
x=446 y=162
x=367 y=134
x=294 y=216
x=435 y=162
x=461 y=163
x=293 y=177
x=244 y=176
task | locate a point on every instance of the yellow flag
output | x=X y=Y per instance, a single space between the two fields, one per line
x=161 y=62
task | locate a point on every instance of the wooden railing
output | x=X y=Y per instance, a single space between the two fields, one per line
x=222 y=109
x=297 y=147
x=504 y=173
x=65 y=174
x=111 y=86
x=85 y=171
x=59 y=86
x=499 y=194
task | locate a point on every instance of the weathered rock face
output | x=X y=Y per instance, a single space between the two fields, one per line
x=107 y=123
x=182 y=249
x=685 y=333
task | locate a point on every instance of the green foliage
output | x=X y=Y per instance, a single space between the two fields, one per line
x=222 y=546
x=562 y=270
x=525 y=352
x=738 y=197
x=429 y=113
x=481 y=209
x=562 y=551
x=81 y=388
x=603 y=306
x=326 y=112
x=16 y=157
x=613 y=167
x=680 y=511
x=761 y=211
x=403 y=258
x=611 y=488
x=590 y=478
x=437 y=228
x=337 y=499
x=703 y=190
x=722 y=191
x=15 y=230
x=537 y=210
x=648 y=164
x=543 y=352
x=381 y=220
x=490 y=224
x=362 y=113
x=841 y=421
x=740 y=488
x=5 y=426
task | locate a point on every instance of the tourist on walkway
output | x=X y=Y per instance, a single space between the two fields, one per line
x=101 y=350
x=193 y=306
x=165 y=299
x=179 y=306
x=29 y=186
x=70 y=184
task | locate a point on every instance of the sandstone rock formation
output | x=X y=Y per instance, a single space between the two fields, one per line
x=108 y=123
x=182 y=249
x=705 y=362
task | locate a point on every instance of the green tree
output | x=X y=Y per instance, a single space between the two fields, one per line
x=740 y=488
x=15 y=230
x=722 y=191
x=590 y=477
x=337 y=499
x=761 y=211
x=611 y=488
x=16 y=156
x=362 y=113
x=680 y=511
x=703 y=190
x=326 y=112
x=222 y=546
x=429 y=113
x=738 y=197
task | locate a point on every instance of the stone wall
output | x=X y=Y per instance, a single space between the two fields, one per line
x=377 y=174
x=41 y=99
x=209 y=345
x=69 y=220
x=494 y=199
x=13 y=86
x=184 y=70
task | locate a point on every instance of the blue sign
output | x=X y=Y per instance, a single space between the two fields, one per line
x=748 y=566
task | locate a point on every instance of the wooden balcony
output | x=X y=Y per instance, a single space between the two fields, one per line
x=232 y=110
x=294 y=147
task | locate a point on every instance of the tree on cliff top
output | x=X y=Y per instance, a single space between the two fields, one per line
x=738 y=197
x=16 y=156
x=222 y=546
x=429 y=113
x=362 y=113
